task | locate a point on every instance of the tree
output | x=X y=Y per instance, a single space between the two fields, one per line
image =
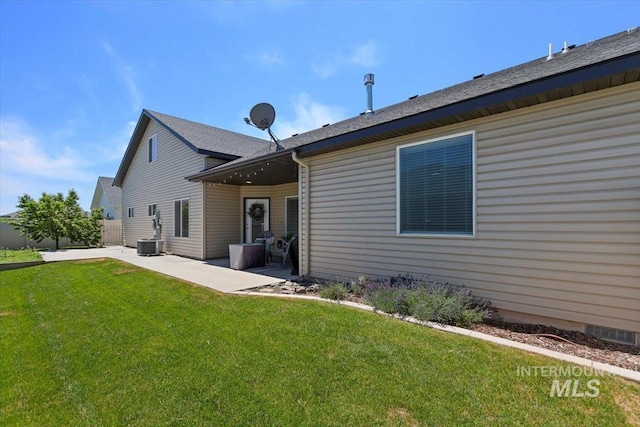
x=87 y=229
x=56 y=216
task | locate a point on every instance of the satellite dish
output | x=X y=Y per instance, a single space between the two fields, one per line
x=262 y=115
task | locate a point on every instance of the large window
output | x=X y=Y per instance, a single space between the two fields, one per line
x=291 y=215
x=153 y=148
x=436 y=187
x=181 y=218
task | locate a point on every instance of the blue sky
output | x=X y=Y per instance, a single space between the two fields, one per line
x=74 y=76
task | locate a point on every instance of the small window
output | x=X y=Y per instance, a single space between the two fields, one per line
x=181 y=218
x=291 y=215
x=130 y=212
x=436 y=187
x=151 y=210
x=153 y=148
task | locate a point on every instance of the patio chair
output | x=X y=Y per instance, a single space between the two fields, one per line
x=267 y=237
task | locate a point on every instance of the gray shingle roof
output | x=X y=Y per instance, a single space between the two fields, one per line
x=598 y=51
x=475 y=98
x=208 y=139
x=203 y=139
x=113 y=194
x=537 y=81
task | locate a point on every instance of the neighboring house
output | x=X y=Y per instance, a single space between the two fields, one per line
x=523 y=185
x=107 y=197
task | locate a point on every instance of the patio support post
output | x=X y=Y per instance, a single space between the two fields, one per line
x=307 y=213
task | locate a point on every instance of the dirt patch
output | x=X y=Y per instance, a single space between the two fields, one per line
x=630 y=406
x=88 y=260
x=125 y=270
x=401 y=416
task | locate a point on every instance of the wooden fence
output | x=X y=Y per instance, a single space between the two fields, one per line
x=111 y=232
x=10 y=238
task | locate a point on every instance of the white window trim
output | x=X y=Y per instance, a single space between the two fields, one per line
x=174 y=219
x=474 y=183
x=286 y=204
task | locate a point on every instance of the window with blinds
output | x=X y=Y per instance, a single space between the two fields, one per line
x=436 y=187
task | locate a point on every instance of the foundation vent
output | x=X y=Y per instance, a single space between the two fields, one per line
x=617 y=335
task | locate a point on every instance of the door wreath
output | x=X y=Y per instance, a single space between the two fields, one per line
x=256 y=211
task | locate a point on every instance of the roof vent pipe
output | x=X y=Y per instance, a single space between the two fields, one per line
x=368 y=82
x=565 y=49
x=550 y=56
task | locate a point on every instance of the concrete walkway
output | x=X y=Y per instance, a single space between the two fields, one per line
x=200 y=272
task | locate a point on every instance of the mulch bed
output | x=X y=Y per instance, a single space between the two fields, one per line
x=568 y=342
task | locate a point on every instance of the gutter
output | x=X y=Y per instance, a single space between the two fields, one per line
x=307 y=216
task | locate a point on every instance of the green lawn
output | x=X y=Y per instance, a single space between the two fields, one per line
x=19 y=255
x=106 y=343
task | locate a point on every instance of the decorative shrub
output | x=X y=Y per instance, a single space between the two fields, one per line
x=333 y=290
x=426 y=300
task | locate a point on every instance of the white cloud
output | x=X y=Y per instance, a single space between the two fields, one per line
x=29 y=165
x=270 y=58
x=267 y=59
x=23 y=153
x=309 y=115
x=363 y=55
x=127 y=74
x=325 y=70
x=113 y=148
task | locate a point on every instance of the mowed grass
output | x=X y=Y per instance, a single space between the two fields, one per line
x=19 y=255
x=106 y=343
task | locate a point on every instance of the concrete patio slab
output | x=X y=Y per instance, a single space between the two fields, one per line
x=200 y=272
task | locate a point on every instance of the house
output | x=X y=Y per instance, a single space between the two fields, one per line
x=107 y=197
x=196 y=223
x=523 y=185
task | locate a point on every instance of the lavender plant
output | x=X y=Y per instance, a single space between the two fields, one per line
x=428 y=300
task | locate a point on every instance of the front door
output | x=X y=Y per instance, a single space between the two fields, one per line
x=256 y=218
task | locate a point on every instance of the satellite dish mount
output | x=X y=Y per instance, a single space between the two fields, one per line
x=262 y=116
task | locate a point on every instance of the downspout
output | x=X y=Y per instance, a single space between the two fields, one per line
x=307 y=222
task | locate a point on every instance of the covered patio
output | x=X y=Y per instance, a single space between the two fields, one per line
x=273 y=269
x=245 y=198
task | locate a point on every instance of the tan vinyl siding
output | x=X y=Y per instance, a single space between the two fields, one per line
x=223 y=205
x=225 y=216
x=210 y=162
x=558 y=212
x=162 y=182
x=277 y=195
